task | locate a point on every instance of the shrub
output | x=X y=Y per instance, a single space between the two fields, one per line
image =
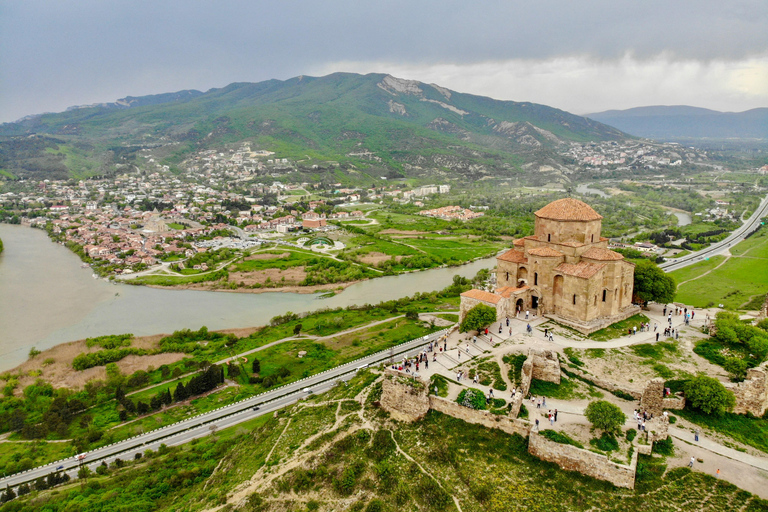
x=605 y=442
x=561 y=437
x=478 y=317
x=631 y=433
x=472 y=398
x=708 y=395
x=664 y=447
x=605 y=416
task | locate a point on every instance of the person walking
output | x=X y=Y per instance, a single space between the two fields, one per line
x=696 y=435
x=526 y=314
x=555 y=414
x=537 y=424
x=657 y=336
x=690 y=464
x=544 y=401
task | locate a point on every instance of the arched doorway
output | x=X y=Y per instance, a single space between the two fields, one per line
x=534 y=302
x=557 y=292
x=519 y=305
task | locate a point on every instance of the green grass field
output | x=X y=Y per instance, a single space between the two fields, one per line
x=742 y=278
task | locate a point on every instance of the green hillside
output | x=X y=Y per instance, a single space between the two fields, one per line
x=393 y=126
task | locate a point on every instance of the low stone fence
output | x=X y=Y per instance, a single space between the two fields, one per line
x=585 y=462
x=485 y=418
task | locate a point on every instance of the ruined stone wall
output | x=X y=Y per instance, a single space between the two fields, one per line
x=485 y=418
x=605 y=384
x=585 y=462
x=404 y=397
x=752 y=394
x=546 y=365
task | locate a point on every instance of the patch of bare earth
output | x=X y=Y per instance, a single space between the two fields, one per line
x=267 y=256
x=292 y=275
x=374 y=258
x=59 y=372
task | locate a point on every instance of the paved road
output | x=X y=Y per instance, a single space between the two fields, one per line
x=199 y=426
x=734 y=238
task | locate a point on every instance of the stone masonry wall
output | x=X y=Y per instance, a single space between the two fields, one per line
x=752 y=394
x=588 y=463
x=404 y=397
x=653 y=400
x=485 y=418
x=546 y=365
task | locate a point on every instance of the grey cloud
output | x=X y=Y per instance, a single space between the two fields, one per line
x=55 y=53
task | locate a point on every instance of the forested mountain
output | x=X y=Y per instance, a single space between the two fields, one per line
x=371 y=121
x=684 y=122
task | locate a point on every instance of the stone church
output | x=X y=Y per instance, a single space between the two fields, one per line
x=564 y=271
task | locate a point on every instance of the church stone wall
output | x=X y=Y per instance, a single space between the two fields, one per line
x=556 y=231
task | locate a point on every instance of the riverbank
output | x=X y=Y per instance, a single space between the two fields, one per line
x=46 y=298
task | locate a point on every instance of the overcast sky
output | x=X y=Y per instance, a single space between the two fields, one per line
x=582 y=56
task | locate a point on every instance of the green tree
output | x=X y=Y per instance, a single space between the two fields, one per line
x=297 y=329
x=737 y=368
x=256 y=366
x=605 y=416
x=708 y=395
x=652 y=284
x=478 y=317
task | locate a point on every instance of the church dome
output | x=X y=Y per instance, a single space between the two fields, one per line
x=568 y=209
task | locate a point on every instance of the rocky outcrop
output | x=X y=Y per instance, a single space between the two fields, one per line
x=404 y=397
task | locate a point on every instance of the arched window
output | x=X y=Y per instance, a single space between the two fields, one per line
x=574 y=298
x=593 y=238
x=507 y=276
x=549 y=238
x=605 y=294
x=595 y=300
x=535 y=278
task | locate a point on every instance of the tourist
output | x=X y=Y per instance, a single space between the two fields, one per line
x=526 y=314
x=634 y=330
x=507 y=321
x=665 y=311
x=537 y=424
x=657 y=336
x=551 y=338
x=499 y=327
x=491 y=392
x=426 y=364
x=692 y=314
x=474 y=339
x=467 y=348
x=696 y=435
x=555 y=414
x=655 y=326
x=538 y=403
x=546 y=332
x=474 y=381
x=543 y=401
x=677 y=334
x=690 y=464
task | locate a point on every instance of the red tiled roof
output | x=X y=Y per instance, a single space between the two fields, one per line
x=546 y=252
x=581 y=269
x=508 y=291
x=513 y=256
x=600 y=254
x=520 y=242
x=483 y=296
x=568 y=209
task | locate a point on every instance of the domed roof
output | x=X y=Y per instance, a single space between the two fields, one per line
x=568 y=209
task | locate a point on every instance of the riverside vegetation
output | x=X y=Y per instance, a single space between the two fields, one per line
x=95 y=415
x=339 y=451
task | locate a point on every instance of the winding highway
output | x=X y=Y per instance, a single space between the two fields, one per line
x=737 y=236
x=227 y=416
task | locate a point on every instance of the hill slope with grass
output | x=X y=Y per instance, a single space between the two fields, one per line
x=390 y=126
x=339 y=451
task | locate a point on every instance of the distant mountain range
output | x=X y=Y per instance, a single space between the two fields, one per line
x=376 y=125
x=684 y=122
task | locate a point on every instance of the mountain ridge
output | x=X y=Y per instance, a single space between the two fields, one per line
x=404 y=123
x=687 y=122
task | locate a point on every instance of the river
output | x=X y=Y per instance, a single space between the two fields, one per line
x=46 y=298
x=585 y=189
x=683 y=218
